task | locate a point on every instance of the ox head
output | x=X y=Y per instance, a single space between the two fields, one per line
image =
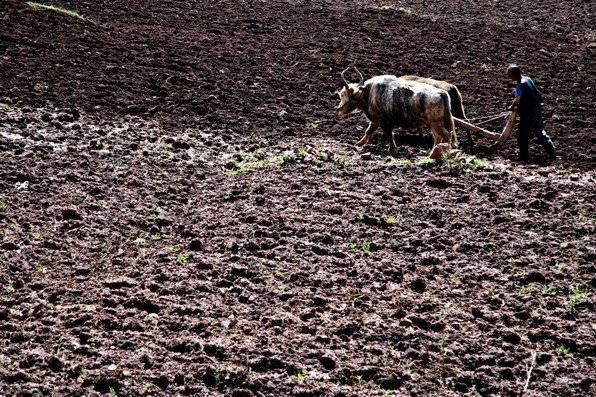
x=349 y=94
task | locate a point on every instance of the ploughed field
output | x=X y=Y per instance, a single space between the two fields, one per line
x=182 y=212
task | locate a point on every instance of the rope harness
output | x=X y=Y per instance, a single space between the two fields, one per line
x=488 y=119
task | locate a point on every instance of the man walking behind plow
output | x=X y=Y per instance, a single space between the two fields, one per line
x=528 y=103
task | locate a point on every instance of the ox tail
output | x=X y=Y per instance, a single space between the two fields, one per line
x=449 y=123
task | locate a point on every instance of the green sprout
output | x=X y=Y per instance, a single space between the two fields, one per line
x=394 y=219
x=366 y=246
x=216 y=377
x=560 y=267
x=356 y=299
x=384 y=7
x=546 y=290
x=341 y=159
x=409 y=370
x=577 y=294
x=563 y=349
x=54 y=8
x=526 y=289
x=289 y=156
x=359 y=378
x=425 y=160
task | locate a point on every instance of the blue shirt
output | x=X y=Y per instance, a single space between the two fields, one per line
x=530 y=96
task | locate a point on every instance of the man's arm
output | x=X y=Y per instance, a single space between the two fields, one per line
x=515 y=103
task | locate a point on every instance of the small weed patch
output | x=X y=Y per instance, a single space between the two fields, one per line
x=249 y=161
x=384 y=7
x=577 y=295
x=547 y=290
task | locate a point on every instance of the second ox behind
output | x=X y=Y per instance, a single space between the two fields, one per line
x=388 y=102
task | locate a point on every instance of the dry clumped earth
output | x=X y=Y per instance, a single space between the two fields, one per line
x=182 y=212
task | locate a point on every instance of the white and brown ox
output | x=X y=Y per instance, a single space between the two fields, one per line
x=457 y=106
x=389 y=102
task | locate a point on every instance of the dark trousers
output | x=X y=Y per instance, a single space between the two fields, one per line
x=532 y=124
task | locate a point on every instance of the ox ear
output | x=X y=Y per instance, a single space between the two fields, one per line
x=350 y=90
x=357 y=89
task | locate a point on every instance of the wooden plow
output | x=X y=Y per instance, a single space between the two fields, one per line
x=499 y=138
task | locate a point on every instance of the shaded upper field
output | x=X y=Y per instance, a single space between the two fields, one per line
x=221 y=66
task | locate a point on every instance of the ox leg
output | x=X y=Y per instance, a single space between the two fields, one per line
x=440 y=134
x=453 y=135
x=372 y=127
x=470 y=140
x=388 y=130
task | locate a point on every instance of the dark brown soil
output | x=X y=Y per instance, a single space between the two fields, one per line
x=182 y=212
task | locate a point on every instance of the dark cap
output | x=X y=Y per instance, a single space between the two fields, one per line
x=514 y=69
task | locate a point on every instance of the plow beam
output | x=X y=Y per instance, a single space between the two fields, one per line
x=499 y=138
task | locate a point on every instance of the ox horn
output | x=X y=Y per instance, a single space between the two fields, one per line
x=359 y=74
x=343 y=77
